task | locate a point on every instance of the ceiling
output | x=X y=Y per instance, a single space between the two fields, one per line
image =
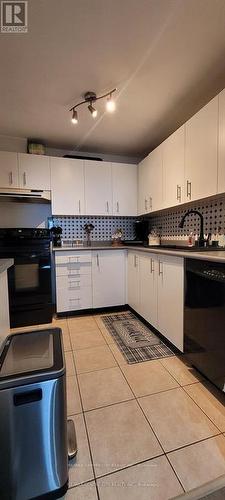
x=167 y=58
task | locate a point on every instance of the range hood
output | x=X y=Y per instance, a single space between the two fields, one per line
x=25 y=195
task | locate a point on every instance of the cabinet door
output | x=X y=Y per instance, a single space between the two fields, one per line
x=173 y=168
x=133 y=281
x=201 y=153
x=148 y=288
x=124 y=182
x=67 y=184
x=98 y=188
x=171 y=299
x=4 y=307
x=155 y=180
x=34 y=171
x=143 y=187
x=221 y=152
x=9 y=173
x=108 y=274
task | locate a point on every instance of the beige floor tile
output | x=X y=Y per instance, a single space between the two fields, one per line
x=82 y=340
x=70 y=368
x=95 y=358
x=80 y=469
x=211 y=401
x=152 y=480
x=121 y=360
x=66 y=341
x=82 y=325
x=111 y=388
x=120 y=436
x=183 y=373
x=85 y=491
x=176 y=419
x=73 y=396
x=148 y=377
x=199 y=463
x=108 y=338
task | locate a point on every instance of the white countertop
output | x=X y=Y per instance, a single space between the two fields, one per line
x=213 y=255
x=5 y=264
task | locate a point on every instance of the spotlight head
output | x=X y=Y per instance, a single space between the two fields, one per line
x=92 y=110
x=110 y=104
x=74 y=118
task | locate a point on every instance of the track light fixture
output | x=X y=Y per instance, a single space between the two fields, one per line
x=90 y=98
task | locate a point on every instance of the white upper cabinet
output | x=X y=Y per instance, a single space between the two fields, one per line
x=143 y=182
x=34 y=171
x=124 y=186
x=155 y=180
x=67 y=183
x=221 y=152
x=201 y=153
x=108 y=277
x=9 y=176
x=98 y=187
x=173 y=168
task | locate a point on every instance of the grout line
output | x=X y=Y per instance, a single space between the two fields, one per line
x=209 y=418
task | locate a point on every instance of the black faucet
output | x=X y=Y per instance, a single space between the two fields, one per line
x=201 y=240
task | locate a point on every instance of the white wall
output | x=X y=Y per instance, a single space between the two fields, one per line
x=16 y=144
x=24 y=214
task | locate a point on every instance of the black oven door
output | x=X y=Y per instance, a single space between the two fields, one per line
x=30 y=293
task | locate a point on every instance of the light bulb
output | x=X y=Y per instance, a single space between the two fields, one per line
x=74 y=118
x=92 y=110
x=110 y=104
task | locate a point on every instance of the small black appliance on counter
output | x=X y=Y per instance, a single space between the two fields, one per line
x=30 y=285
x=141 y=231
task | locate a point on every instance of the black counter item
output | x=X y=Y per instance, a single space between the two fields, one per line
x=56 y=232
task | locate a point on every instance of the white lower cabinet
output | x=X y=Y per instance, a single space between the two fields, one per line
x=73 y=280
x=109 y=278
x=148 y=265
x=156 y=292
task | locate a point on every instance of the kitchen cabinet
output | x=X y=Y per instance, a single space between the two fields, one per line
x=67 y=184
x=73 y=280
x=98 y=187
x=155 y=180
x=201 y=147
x=173 y=168
x=143 y=187
x=148 y=268
x=109 y=275
x=221 y=149
x=171 y=298
x=133 y=294
x=124 y=187
x=34 y=171
x=9 y=174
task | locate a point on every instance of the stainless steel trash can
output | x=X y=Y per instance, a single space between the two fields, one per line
x=33 y=420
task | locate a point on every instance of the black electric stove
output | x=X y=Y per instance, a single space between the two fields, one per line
x=30 y=285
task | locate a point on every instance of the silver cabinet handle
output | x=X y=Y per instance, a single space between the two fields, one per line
x=117 y=207
x=135 y=260
x=160 y=267
x=24 y=179
x=10 y=178
x=146 y=204
x=107 y=207
x=189 y=190
x=178 y=193
x=150 y=202
x=152 y=266
x=97 y=257
x=79 y=206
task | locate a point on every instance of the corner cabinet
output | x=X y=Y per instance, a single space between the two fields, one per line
x=98 y=187
x=109 y=278
x=221 y=151
x=173 y=169
x=34 y=171
x=67 y=182
x=201 y=153
x=124 y=188
x=150 y=183
x=156 y=292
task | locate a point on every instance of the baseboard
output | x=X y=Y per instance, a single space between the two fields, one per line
x=99 y=310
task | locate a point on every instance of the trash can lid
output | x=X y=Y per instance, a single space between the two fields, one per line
x=31 y=356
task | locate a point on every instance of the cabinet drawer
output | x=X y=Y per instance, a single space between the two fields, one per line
x=73 y=257
x=71 y=300
x=73 y=281
x=73 y=269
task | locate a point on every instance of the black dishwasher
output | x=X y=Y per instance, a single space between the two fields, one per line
x=204 y=318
